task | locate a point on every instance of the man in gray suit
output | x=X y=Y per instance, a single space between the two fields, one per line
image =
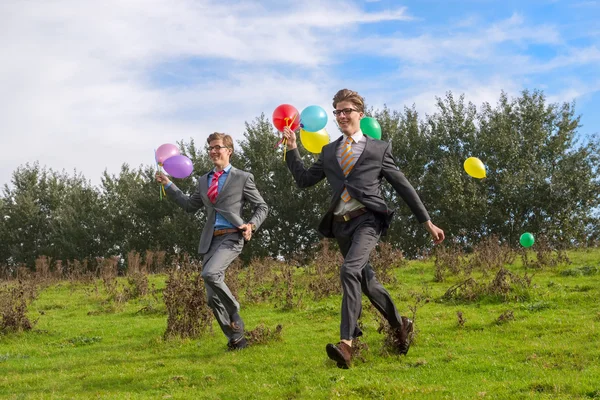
x=223 y=191
x=354 y=166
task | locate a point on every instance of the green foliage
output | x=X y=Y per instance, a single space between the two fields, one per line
x=543 y=177
x=540 y=178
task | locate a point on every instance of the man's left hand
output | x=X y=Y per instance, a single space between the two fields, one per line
x=246 y=231
x=436 y=233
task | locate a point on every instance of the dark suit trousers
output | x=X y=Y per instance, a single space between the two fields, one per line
x=357 y=238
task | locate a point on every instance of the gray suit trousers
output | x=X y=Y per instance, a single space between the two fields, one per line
x=223 y=250
x=357 y=238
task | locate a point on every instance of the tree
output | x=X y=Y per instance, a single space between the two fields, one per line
x=540 y=179
x=294 y=214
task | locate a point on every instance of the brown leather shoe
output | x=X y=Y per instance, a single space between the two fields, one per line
x=402 y=336
x=341 y=353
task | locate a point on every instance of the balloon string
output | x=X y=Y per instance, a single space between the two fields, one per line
x=161 y=189
x=285 y=140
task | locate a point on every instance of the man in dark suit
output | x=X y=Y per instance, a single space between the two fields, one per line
x=223 y=191
x=354 y=166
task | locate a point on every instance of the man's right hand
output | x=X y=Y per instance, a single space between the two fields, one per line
x=161 y=178
x=290 y=136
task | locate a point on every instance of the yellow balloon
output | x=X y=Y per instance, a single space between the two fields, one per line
x=474 y=167
x=314 y=141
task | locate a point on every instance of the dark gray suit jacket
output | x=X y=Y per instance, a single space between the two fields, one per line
x=363 y=182
x=237 y=189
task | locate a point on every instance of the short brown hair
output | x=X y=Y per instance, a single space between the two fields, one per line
x=351 y=96
x=227 y=140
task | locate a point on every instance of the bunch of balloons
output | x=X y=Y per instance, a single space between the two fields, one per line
x=174 y=163
x=312 y=122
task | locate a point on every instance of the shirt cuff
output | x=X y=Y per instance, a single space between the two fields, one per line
x=168 y=184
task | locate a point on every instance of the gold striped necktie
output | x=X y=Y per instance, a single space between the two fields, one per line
x=347 y=163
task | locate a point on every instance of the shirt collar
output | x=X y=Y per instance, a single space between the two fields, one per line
x=357 y=136
x=225 y=170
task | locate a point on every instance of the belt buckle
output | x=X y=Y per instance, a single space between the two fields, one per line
x=346 y=217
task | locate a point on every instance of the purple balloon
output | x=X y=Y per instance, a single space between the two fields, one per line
x=165 y=151
x=178 y=166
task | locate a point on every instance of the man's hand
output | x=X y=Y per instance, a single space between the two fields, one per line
x=290 y=136
x=436 y=233
x=161 y=178
x=246 y=231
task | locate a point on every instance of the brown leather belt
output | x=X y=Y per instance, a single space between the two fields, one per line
x=350 y=215
x=219 y=232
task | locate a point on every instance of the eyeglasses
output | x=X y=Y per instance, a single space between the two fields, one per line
x=345 y=111
x=217 y=148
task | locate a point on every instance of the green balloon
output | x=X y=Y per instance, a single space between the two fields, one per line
x=526 y=239
x=370 y=127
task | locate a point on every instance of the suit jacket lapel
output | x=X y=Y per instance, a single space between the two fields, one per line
x=203 y=185
x=333 y=156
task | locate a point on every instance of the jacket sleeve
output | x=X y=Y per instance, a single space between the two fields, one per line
x=402 y=186
x=304 y=177
x=189 y=203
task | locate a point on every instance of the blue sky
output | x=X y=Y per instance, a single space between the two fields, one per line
x=88 y=86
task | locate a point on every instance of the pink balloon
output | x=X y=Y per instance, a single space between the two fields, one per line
x=178 y=166
x=166 y=151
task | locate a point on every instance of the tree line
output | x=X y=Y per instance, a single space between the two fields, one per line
x=542 y=177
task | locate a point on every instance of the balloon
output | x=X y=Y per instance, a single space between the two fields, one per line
x=286 y=115
x=313 y=118
x=314 y=141
x=165 y=151
x=527 y=239
x=474 y=167
x=178 y=166
x=370 y=127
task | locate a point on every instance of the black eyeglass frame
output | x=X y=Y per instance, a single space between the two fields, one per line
x=345 y=111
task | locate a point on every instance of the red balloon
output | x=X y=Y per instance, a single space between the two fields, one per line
x=286 y=115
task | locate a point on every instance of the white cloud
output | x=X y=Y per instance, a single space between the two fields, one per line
x=478 y=44
x=76 y=76
x=83 y=84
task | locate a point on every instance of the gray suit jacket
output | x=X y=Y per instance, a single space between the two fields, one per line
x=237 y=189
x=363 y=182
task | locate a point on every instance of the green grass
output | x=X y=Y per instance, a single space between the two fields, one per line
x=82 y=348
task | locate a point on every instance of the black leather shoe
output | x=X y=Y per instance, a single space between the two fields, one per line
x=238 y=345
x=341 y=353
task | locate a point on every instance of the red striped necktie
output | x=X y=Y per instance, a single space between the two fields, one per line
x=213 y=189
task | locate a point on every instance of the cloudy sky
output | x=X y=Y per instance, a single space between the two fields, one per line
x=90 y=85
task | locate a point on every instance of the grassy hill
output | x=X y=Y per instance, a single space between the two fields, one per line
x=535 y=334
